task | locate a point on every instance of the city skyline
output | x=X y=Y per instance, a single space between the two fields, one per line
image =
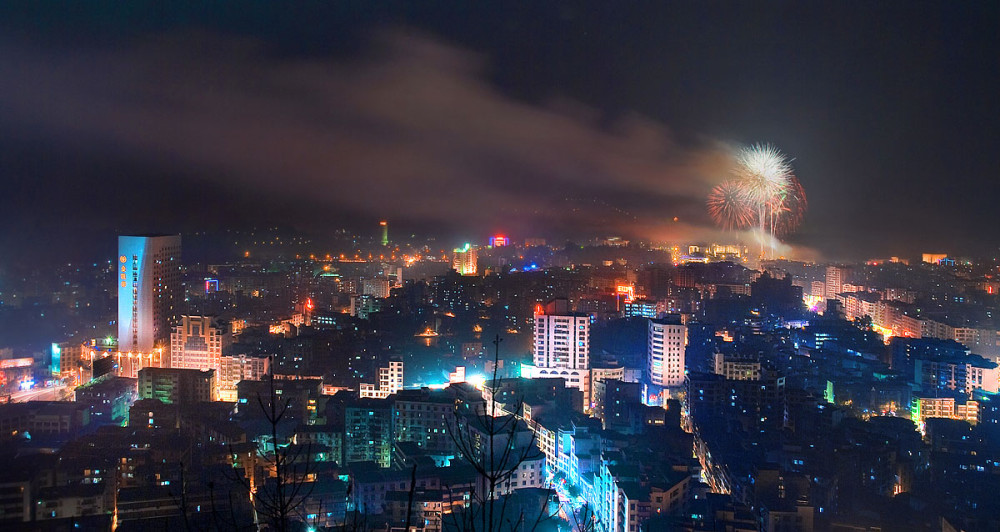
x=498 y=267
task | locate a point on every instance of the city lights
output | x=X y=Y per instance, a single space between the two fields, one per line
x=653 y=266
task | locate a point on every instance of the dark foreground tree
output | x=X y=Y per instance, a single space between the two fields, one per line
x=496 y=442
x=281 y=497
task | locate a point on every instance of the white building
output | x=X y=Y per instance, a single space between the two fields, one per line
x=982 y=377
x=834 y=281
x=665 y=351
x=149 y=290
x=390 y=381
x=562 y=345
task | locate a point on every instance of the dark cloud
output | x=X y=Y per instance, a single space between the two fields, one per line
x=510 y=117
x=411 y=131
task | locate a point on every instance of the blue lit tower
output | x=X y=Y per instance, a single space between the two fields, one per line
x=149 y=290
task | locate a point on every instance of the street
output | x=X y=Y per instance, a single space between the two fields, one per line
x=53 y=393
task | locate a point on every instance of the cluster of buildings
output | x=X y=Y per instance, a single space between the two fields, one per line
x=894 y=309
x=636 y=387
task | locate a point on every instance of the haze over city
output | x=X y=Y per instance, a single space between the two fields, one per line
x=489 y=118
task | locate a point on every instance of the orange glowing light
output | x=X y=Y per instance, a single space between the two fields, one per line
x=16 y=363
x=428 y=333
x=626 y=290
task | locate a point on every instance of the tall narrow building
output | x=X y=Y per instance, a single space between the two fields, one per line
x=834 y=281
x=149 y=290
x=666 y=349
x=562 y=345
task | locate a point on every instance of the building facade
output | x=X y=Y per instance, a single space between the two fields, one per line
x=834 y=281
x=197 y=343
x=390 y=381
x=149 y=290
x=368 y=432
x=924 y=408
x=177 y=386
x=562 y=345
x=464 y=260
x=236 y=368
x=737 y=368
x=665 y=352
x=422 y=417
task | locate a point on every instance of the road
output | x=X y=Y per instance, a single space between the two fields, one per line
x=52 y=393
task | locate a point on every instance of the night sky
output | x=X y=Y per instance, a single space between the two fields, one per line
x=556 y=119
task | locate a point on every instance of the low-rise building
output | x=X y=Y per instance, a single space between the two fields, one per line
x=170 y=385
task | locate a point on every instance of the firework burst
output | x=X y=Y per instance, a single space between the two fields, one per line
x=763 y=193
x=728 y=206
x=763 y=172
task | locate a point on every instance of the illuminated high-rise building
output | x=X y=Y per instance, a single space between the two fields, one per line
x=665 y=351
x=197 y=343
x=834 y=281
x=149 y=290
x=464 y=260
x=385 y=232
x=562 y=345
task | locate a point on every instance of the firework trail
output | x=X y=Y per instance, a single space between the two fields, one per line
x=792 y=209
